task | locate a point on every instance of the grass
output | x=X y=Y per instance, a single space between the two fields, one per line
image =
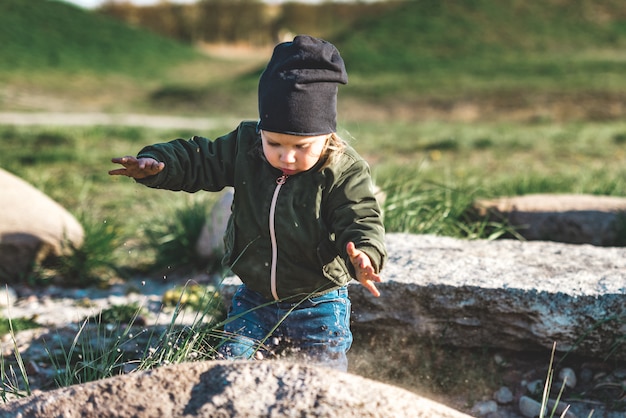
x=93 y=263
x=545 y=397
x=93 y=354
x=511 y=157
x=8 y=325
x=174 y=235
x=117 y=341
x=498 y=158
x=422 y=208
x=12 y=384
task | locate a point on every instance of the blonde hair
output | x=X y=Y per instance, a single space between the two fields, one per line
x=334 y=147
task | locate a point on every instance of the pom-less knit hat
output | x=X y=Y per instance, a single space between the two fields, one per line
x=298 y=89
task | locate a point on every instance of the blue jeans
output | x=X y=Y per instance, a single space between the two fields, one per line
x=316 y=329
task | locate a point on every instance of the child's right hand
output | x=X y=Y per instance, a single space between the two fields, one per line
x=363 y=268
x=137 y=168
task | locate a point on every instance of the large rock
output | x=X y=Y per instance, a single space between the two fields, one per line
x=230 y=389
x=32 y=227
x=507 y=294
x=571 y=218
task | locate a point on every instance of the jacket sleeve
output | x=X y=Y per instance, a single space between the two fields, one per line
x=194 y=164
x=356 y=216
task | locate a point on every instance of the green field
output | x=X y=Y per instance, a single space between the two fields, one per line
x=509 y=56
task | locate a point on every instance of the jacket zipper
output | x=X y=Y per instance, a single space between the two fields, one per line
x=279 y=183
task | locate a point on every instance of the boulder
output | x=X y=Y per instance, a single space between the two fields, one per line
x=508 y=294
x=211 y=240
x=570 y=218
x=230 y=389
x=32 y=227
x=504 y=293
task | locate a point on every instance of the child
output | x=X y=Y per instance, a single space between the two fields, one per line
x=304 y=217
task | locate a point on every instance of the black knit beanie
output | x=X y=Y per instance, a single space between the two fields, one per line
x=298 y=89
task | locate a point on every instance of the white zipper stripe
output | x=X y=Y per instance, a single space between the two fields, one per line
x=279 y=183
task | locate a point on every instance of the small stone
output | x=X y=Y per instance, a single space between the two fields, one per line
x=7 y=296
x=529 y=407
x=32 y=300
x=620 y=373
x=535 y=387
x=503 y=396
x=80 y=293
x=500 y=360
x=568 y=377
x=483 y=408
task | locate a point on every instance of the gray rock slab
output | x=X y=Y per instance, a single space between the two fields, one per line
x=571 y=218
x=504 y=293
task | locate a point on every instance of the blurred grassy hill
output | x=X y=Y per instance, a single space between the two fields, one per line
x=44 y=35
x=55 y=56
x=416 y=53
x=430 y=34
x=481 y=46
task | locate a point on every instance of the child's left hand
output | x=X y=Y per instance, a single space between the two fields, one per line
x=365 y=273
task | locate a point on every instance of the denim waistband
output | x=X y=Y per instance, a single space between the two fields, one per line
x=259 y=299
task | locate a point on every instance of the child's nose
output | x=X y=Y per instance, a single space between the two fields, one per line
x=288 y=156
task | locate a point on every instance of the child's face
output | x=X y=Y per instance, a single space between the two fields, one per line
x=292 y=154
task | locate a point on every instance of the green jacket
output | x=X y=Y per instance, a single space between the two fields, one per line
x=282 y=240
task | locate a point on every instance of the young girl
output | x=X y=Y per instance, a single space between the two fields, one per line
x=304 y=217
